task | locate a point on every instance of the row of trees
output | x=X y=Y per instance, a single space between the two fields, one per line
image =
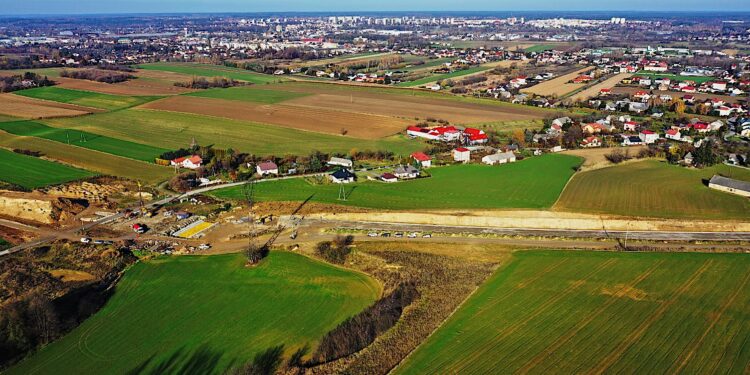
x=97 y=75
x=23 y=81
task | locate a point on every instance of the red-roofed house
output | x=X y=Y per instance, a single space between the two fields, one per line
x=266 y=168
x=647 y=136
x=189 y=162
x=591 y=142
x=630 y=125
x=422 y=158
x=673 y=134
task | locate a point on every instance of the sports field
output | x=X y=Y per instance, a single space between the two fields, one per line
x=655 y=189
x=31 y=172
x=175 y=130
x=95 y=161
x=249 y=94
x=219 y=316
x=85 y=98
x=84 y=139
x=207 y=70
x=532 y=183
x=591 y=313
x=539 y=48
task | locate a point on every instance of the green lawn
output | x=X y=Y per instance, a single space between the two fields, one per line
x=675 y=77
x=440 y=77
x=539 y=48
x=532 y=183
x=655 y=189
x=85 y=98
x=589 y=313
x=208 y=70
x=204 y=314
x=31 y=172
x=84 y=139
x=249 y=94
x=174 y=130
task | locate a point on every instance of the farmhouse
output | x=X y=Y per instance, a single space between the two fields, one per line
x=405 y=172
x=730 y=185
x=440 y=133
x=591 y=142
x=673 y=134
x=267 y=168
x=499 y=158
x=342 y=176
x=423 y=160
x=346 y=163
x=475 y=136
x=461 y=154
x=189 y=162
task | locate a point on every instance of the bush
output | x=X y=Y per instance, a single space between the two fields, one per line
x=335 y=251
x=617 y=156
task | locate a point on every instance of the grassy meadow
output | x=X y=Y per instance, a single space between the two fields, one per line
x=655 y=189
x=531 y=183
x=206 y=314
x=175 y=130
x=31 y=172
x=84 y=139
x=582 y=312
x=85 y=98
x=208 y=70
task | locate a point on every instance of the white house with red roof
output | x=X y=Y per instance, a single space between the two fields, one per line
x=475 y=136
x=461 y=154
x=440 y=133
x=641 y=95
x=591 y=142
x=630 y=126
x=422 y=158
x=189 y=162
x=673 y=134
x=648 y=136
x=267 y=168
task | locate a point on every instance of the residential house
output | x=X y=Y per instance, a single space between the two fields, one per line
x=559 y=122
x=688 y=159
x=591 y=142
x=673 y=134
x=342 y=176
x=267 y=168
x=632 y=140
x=730 y=185
x=475 y=136
x=406 y=172
x=648 y=136
x=461 y=154
x=388 y=177
x=189 y=162
x=637 y=107
x=630 y=126
x=422 y=158
x=499 y=158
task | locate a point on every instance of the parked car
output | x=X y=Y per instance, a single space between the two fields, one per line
x=398 y=235
x=85 y=240
x=426 y=235
x=386 y=234
x=413 y=235
x=372 y=234
x=204 y=246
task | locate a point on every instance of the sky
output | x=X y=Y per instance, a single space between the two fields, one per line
x=16 y=7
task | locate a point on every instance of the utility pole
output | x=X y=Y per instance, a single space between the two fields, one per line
x=342 y=193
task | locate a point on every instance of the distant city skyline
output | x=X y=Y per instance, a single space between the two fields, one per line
x=37 y=7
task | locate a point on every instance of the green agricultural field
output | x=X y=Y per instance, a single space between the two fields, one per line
x=174 y=130
x=85 y=98
x=590 y=313
x=440 y=77
x=539 y=48
x=31 y=172
x=655 y=189
x=532 y=183
x=84 y=139
x=249 y=94
x=99 y=162
x=208 y=70
x=205 y=314
x=675 y=77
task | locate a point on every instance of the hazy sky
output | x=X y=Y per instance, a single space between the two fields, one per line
x=179 y=6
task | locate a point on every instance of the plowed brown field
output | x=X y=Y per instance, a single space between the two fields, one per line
x=324 y=120
x=28 y=108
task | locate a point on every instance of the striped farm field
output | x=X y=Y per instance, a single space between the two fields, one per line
x=84 y=139
x=248 y=94
x=85 y=98
x=95 y=161
x=31 y=172
x=555 y=312
x=206 y=314
x=655 y=189
x=174 y=130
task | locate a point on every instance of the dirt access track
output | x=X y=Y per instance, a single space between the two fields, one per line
x=317 y=119
x=28 y=108
x=539 y=220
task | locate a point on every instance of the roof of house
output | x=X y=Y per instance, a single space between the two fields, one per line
x=335 y=160
x=461 y=149
x=473 y=131
x=420 y=156
x=342 y=174
x=195 y=159
x=672 y=131
x=647 y=132
x=267 y=166
x=501 y=156
x=388 y=176
x=730 y=183
x=405 y=169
